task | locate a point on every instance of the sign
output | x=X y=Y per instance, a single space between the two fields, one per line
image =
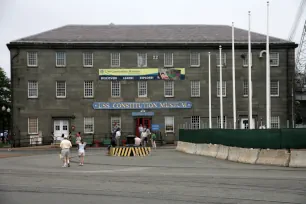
x=142 y=74
x=155 y=127
x=142 y=113
x=142 y=105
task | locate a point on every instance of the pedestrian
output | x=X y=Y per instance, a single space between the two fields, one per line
x=144 y=138
x=137 y=141
x=78 y=138
x=118 y=135
x=65 y=150
x=81 y=151
x=153 y=140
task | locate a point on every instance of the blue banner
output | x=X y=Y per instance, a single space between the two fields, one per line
x=142 y=105
x=142 y=113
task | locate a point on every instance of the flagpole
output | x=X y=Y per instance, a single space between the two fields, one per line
x=209 y=90
x=250 y=123
x=221 y=89
x=268 y=97
x=234 y=78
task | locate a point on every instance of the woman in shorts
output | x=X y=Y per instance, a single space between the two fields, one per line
x=81 y=151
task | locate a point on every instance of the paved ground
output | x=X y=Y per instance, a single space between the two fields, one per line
x=166 y=176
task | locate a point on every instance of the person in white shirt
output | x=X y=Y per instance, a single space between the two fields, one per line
x=118 y=135
x=65 y=150
x=81 y=151
x=140 y=129
x=137 y=141
x=144 y=138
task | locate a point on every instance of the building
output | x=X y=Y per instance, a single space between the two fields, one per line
x=91 y=78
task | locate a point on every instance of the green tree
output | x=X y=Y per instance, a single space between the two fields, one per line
x=5 y=89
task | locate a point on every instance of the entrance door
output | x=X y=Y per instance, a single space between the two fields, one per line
x=144 y=122
x=244 y=123
x=61 y=127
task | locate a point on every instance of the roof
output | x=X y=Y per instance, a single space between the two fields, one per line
x=146 y=34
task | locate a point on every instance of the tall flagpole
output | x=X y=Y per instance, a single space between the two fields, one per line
x=209 y=90
x=250 y=76
x=221 y=89
x=234 y=78
x=268 y=97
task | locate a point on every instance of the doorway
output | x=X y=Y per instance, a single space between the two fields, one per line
x=244 y=123
x=144 y=122
x=61 y=127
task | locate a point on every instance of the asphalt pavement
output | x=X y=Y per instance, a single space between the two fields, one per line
x=166 y=176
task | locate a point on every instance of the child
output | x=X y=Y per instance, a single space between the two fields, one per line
x=153 y=140
x=81 y=150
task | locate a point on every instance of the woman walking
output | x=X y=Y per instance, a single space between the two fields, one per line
x=81 y=151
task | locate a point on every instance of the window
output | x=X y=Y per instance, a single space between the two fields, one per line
x=169 y=88
x=115 y=59
x=142 y=89
x=274 y=59
x=195 y=122
x=223 y=60
x=32 y=89
x=168 y=59
x=274 y=88
x=142 y=59
x=60 y=89
x=275 y=122
x=115 y=89
x=60 y=59
x=32 y=59
x=194 y=59
x=89 y=124
x=88 y=59
x=115 y=122
x=195 y=88
x=33 y=125
x=88 y=89
x=245 y=88
x=245 y=60
x=223 y=88
x=224 y=122
x=169 y=124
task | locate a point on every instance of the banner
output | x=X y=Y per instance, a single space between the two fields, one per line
x=142 y=74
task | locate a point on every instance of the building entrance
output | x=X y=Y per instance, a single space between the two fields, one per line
x=144 y=122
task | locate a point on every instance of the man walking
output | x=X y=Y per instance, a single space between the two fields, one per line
x=65 y=150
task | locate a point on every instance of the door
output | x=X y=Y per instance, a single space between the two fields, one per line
x=144 y=122
x=61 y=127
x=244 y=123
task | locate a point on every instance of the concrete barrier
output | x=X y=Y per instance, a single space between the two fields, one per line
x=179 y=146
x=191 y=148
x=233 y=154
x=273 y=157
x=298 y=158
x=248 y=156
x=210 y=150
x=222 y=152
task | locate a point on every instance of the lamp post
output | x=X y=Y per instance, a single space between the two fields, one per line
x=8 y=110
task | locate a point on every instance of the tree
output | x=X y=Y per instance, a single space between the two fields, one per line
x=5 y=89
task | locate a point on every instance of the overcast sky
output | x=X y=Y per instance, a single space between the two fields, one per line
x=20 y=18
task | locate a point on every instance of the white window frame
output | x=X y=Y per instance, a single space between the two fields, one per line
x=167 y=119
x=197 y=57
x=57 y=58
x=87 y=89
x=224 y=122
x=142 y=88
x=35 y=132
x=113 y=55
x=33 y=82
x=172 y=87
x=218 y=60
x=195 y=88
x=118 y=118
x=275 y=120
x=223 y=88
x=35 y=59
x=245 y=62
x=140 y=58
x=166 y=55
x=274 y=95
x=197 y=125
x=89 y=121
x=56 y=89
x=112 y=89
x=88 y=57
x=245 y=88
x=274 y=58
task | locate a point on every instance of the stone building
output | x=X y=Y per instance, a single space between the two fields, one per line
x=92 y=78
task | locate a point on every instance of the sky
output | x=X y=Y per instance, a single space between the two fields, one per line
x=21 y=18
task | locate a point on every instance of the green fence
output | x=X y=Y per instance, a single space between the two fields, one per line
x=259 y=138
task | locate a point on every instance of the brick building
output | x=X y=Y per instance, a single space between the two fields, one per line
x=94 y=77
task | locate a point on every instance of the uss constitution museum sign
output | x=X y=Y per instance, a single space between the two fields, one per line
x=142 y=105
